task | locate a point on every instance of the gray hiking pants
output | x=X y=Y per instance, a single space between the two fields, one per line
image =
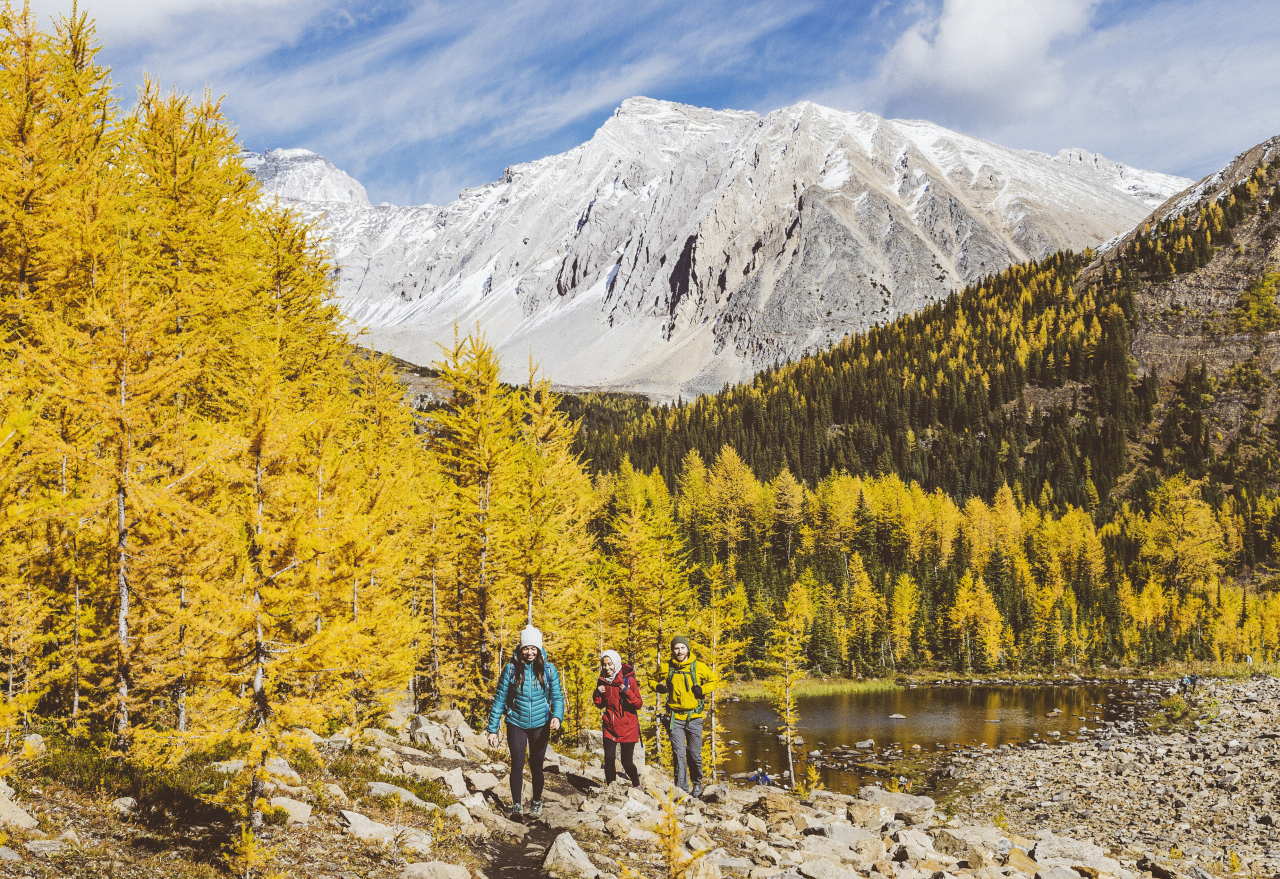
x=686 y=750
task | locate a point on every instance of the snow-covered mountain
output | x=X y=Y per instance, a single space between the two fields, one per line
x=682 y=248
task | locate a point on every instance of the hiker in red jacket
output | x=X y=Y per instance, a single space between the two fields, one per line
x=619 y=695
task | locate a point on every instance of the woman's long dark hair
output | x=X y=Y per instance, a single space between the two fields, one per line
x=539 y=669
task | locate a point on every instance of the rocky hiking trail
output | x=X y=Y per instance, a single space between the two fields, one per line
x=1130 y=800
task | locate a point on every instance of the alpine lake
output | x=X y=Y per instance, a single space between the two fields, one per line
x=881 y=735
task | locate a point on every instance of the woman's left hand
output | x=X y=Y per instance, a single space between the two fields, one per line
x=555 y=724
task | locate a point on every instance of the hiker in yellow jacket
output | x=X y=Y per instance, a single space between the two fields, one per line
x=683 y=681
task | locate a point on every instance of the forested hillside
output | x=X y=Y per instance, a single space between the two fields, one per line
x=1020 y=394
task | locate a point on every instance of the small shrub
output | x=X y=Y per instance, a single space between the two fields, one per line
x=1175 y=708
x=812 y=782
x=275 y=816
x=247 y=856
x=1175 y=854
x=359 y=771
x=1233 y=863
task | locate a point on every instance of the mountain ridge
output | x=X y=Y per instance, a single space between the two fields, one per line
x=682 y=248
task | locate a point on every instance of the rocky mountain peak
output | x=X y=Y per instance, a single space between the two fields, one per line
x=681 y=248
x=301 y=175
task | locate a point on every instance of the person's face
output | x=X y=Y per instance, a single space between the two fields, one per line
x=680 y=652
x=529 y=654
x=606 y=666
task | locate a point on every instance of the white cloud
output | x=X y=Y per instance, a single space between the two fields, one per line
x=988 y=53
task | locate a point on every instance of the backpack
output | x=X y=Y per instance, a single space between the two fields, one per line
x=692 y=674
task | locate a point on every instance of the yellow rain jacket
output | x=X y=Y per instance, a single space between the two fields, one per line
x=680 y=678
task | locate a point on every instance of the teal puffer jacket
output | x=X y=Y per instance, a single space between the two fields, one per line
x=530 y=706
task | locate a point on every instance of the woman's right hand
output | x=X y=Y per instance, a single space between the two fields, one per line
x=600 y=689
x=493 y=740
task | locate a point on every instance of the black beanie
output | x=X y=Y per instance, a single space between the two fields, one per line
x=681 y=639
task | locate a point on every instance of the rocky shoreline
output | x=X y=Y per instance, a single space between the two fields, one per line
x=1125 y=798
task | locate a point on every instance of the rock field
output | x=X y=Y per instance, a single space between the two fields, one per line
x=1128 y=800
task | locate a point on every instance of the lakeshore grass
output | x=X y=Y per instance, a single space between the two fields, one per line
x=759 y=689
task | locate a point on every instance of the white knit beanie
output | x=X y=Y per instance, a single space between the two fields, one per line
x=531 y=637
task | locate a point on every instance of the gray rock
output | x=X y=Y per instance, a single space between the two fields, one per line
x=565 y=859
x=230 y=767
x=8 y=855
x=6 y=791
x=124 y=806
x=960 y=842
x=823 y=869
x=382 y=789
x=13 y=816
x=45 y=847
x=481 y=781
x=435 y=870
x=1062 y=851
x=454 y=780
x=280 y=768
x=336 y=794
x=299 y=812
x=867 y=745
x=364 y=828
x=460 y=812
x=1057 y=873
x=913 y=810
x=414 y=841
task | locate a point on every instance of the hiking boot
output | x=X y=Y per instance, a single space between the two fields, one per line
x=535 y=809
x=517 y=813
x=696 y=793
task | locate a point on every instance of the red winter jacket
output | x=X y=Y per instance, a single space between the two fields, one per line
x=620 y=700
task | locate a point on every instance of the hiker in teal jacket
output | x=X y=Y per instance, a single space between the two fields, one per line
x=529 y=695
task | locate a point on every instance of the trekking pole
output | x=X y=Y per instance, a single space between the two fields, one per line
x=657 y=712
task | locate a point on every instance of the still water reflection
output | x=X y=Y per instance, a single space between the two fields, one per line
x=933 y=717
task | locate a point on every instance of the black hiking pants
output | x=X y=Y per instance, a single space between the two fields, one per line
x=534 y=743
x=628 y=761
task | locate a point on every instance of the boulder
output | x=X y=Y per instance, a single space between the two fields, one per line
x=452 y=718
x=1056 y=873
x=618 y=826
x=414 y=841
x=435 y=870
x=12 y=816
x=230 y=767
x=566 y=860
x=280 y=768
x=1062 y=851
x=591 y=740
x=913 y=810
x=459 y=811
x=869 y=815
x=124 y=806
x=820 y=868
x=45 y=847
x=6 y=791
x=962 y=842
x=481 y=781
x=455 y=782
x=409 y=798
x=336 y=794
x=428 y=732
x=8 y=855
x=1019 y=860
x=299 y=812
x=363 y=828
x=70 y=837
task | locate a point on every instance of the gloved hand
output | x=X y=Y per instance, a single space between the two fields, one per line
x=661 y=688
x=697 y=691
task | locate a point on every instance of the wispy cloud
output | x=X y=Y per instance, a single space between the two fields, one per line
x=419 y=98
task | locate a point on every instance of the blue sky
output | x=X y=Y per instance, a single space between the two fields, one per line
x=420 y=99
